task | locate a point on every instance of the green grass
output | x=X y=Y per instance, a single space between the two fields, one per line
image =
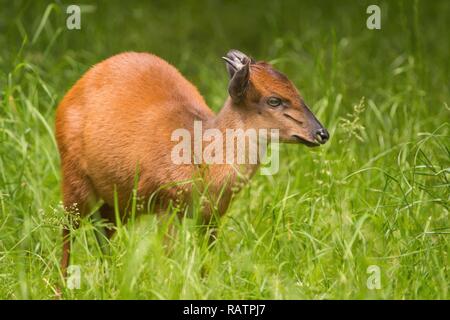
x=376 y=194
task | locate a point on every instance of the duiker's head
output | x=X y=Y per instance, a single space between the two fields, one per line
x=268 y=100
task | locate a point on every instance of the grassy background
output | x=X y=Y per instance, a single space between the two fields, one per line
x=376 y=194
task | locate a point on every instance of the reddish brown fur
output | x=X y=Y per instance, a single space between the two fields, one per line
x=120 y=115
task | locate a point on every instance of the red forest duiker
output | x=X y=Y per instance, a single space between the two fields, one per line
x=117 y=122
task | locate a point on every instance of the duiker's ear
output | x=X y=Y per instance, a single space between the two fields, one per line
x=239 y=83
x=236 y=60
x=238 y=67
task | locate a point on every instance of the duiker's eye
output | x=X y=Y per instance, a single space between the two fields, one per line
x=274 y=101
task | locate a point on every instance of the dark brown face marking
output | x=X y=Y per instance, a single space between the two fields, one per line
x=277 y=74
x=270 y=82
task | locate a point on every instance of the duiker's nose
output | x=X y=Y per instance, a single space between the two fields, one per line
x=322 y=135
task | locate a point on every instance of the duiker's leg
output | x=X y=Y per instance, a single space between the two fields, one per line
x=107 y=213
x=77 y=194
x=65 y=251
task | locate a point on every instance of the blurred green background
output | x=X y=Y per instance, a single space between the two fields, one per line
x=376 y=194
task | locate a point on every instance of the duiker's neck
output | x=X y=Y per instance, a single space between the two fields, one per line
x=239 y=143
x=236 y=128
x=224 y=179
x=229 y=117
